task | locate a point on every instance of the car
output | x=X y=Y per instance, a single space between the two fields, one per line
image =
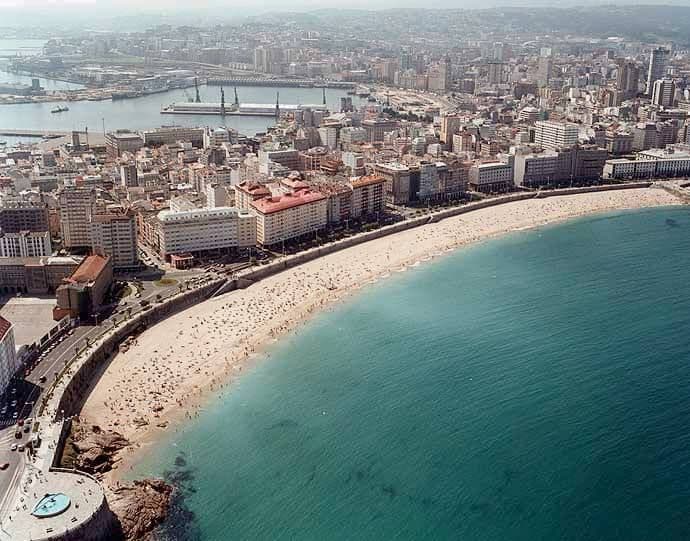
x=15 y=415
x=20 y=422
x=42 y=379
x=4 y=466
x=14 y=403
x=20 y=448
x=27 y=428
x=14 y=447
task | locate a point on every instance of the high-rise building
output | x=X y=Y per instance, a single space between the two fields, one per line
x=663 y=92
x=115 y=235
x=544 y=70
x=450 y=125
x=628 y=79
x=495 y=74
x=77 y=207
x=551 y=134
x=129 y=175
x=658 y=61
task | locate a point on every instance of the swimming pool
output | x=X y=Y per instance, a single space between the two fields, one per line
x=51 y=505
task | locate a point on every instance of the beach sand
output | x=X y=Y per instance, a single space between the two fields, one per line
x=171 y=368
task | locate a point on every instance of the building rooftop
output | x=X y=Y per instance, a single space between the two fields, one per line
x=89 y=269
x=270 y=205
x=367 y=181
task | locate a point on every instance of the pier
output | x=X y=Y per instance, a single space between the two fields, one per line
x=33 y=133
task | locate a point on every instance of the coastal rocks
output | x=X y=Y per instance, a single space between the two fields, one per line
x=140 y=506
x=94 y=449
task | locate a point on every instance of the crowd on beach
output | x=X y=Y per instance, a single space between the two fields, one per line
x=167 y=371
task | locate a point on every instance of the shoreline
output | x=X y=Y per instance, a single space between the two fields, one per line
x=176 y=366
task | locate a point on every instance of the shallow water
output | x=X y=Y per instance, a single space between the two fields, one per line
x=535 y=386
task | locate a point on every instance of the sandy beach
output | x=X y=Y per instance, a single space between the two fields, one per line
x=171 y=368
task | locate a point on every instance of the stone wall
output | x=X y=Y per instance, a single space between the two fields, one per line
x=246 y=278
x=74 y=391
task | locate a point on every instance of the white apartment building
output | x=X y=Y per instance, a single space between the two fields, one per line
x=552 y=135
x=115 y=235
x=216 y=195
x=289 y=216
x=168 y=135
x=491 y=177
x=201 y=230
x=328 y=136
x=25 y=244
x=652 y=163
x=9 y=363
x=77 y=206
x=350 y=134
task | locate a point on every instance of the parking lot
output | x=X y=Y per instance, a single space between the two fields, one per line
x=31 y=316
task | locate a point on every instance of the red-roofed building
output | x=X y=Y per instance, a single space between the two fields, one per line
x=246 y=192
x=82 y=293
x=289 y=216
x=9 y=363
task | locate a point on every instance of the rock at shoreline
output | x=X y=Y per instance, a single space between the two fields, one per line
x=140 y=506
x=95 y=449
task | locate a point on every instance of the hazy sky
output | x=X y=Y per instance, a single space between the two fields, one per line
x=64 y=13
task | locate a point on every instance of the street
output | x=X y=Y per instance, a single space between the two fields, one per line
x=24 y=394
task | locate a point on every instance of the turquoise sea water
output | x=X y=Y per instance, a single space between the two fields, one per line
x=533 y=387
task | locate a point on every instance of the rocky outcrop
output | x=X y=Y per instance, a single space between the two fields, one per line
x=140 y=506
x=94 y=450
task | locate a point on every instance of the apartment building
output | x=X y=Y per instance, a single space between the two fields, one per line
x=397 y=177
x=376 y=128
x=551 y=135
x=289 y=216
x=168 y=135
x=121 y=141
x=368 y=196
x=200 y=231
x=115 y=235
x=77 y=207
x=492 y=177
x=653 y=163
x=17 y=216
x=25 y=244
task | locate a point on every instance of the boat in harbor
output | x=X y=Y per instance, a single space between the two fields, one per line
x=59 y=109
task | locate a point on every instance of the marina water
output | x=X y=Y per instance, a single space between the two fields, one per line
x=532 y=387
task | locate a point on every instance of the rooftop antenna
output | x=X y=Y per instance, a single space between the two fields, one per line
x=222 y=101
x=86 y=131
x=277 y=105
x=324 y=95
x=196 y=87
x=237 y=100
